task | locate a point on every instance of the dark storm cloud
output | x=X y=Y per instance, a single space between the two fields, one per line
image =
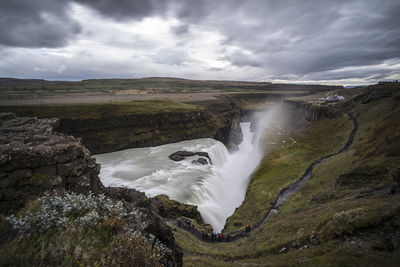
x=127 y=9
x=46 y=23
x=42 y=23
x=309 y=36
x=181 y=29
x=241 y=59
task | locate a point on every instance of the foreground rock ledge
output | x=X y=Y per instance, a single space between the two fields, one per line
x=34 y=159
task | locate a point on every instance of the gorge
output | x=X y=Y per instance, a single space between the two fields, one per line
x=351 y=197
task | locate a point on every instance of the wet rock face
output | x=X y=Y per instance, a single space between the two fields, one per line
x=33 y=159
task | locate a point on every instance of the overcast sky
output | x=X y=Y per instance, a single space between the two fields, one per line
x=319 y=41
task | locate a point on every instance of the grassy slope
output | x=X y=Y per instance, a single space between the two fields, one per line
x=349 y=230
x=283 y=165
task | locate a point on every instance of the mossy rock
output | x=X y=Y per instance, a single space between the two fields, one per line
x=172 y=209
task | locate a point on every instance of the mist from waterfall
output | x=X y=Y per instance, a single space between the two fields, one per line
x=217 y=189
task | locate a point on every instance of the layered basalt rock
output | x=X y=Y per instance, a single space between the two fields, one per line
x=314 y=112
x=33 y=159
x=116 y=133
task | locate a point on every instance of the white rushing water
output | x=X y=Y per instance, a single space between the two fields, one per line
x=216 y=189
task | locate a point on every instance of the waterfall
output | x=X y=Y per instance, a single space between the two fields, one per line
x=225 y=187
x=217 y=189
x=218 y=154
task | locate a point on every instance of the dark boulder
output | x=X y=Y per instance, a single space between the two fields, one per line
x=181 y=155
x=130 y=195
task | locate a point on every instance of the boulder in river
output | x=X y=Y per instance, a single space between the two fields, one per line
x=181 y=155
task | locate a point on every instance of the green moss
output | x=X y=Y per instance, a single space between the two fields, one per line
x=172 y=209
x=37 y=179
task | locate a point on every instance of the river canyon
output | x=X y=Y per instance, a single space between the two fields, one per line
x=217 y=188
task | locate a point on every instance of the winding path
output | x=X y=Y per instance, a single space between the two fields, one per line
x=282 y=197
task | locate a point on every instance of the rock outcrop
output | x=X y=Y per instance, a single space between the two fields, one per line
x=313 y=112
x=34 y=159
x=181 y=155
x=172 y=209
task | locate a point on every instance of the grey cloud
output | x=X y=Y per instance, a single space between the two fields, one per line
x=43 y=23
x=241 y=59
x=181 y=29
x=170 y=57
x=309 y=36
x=127 y=9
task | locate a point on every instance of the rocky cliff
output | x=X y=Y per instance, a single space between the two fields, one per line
x=50 y=192
x=113 y=133
x=314 y=112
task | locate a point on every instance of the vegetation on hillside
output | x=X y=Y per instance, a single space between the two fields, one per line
x=347 y=214
x=66 y=229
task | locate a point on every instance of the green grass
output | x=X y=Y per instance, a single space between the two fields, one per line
x=282 y=166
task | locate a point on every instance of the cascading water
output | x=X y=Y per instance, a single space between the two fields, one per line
x=216 y=189
x=224 y=189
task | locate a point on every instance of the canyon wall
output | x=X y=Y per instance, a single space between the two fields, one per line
x=115 y=133
x=314 y=112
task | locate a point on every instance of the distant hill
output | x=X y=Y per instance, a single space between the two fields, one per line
x=26 y=88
